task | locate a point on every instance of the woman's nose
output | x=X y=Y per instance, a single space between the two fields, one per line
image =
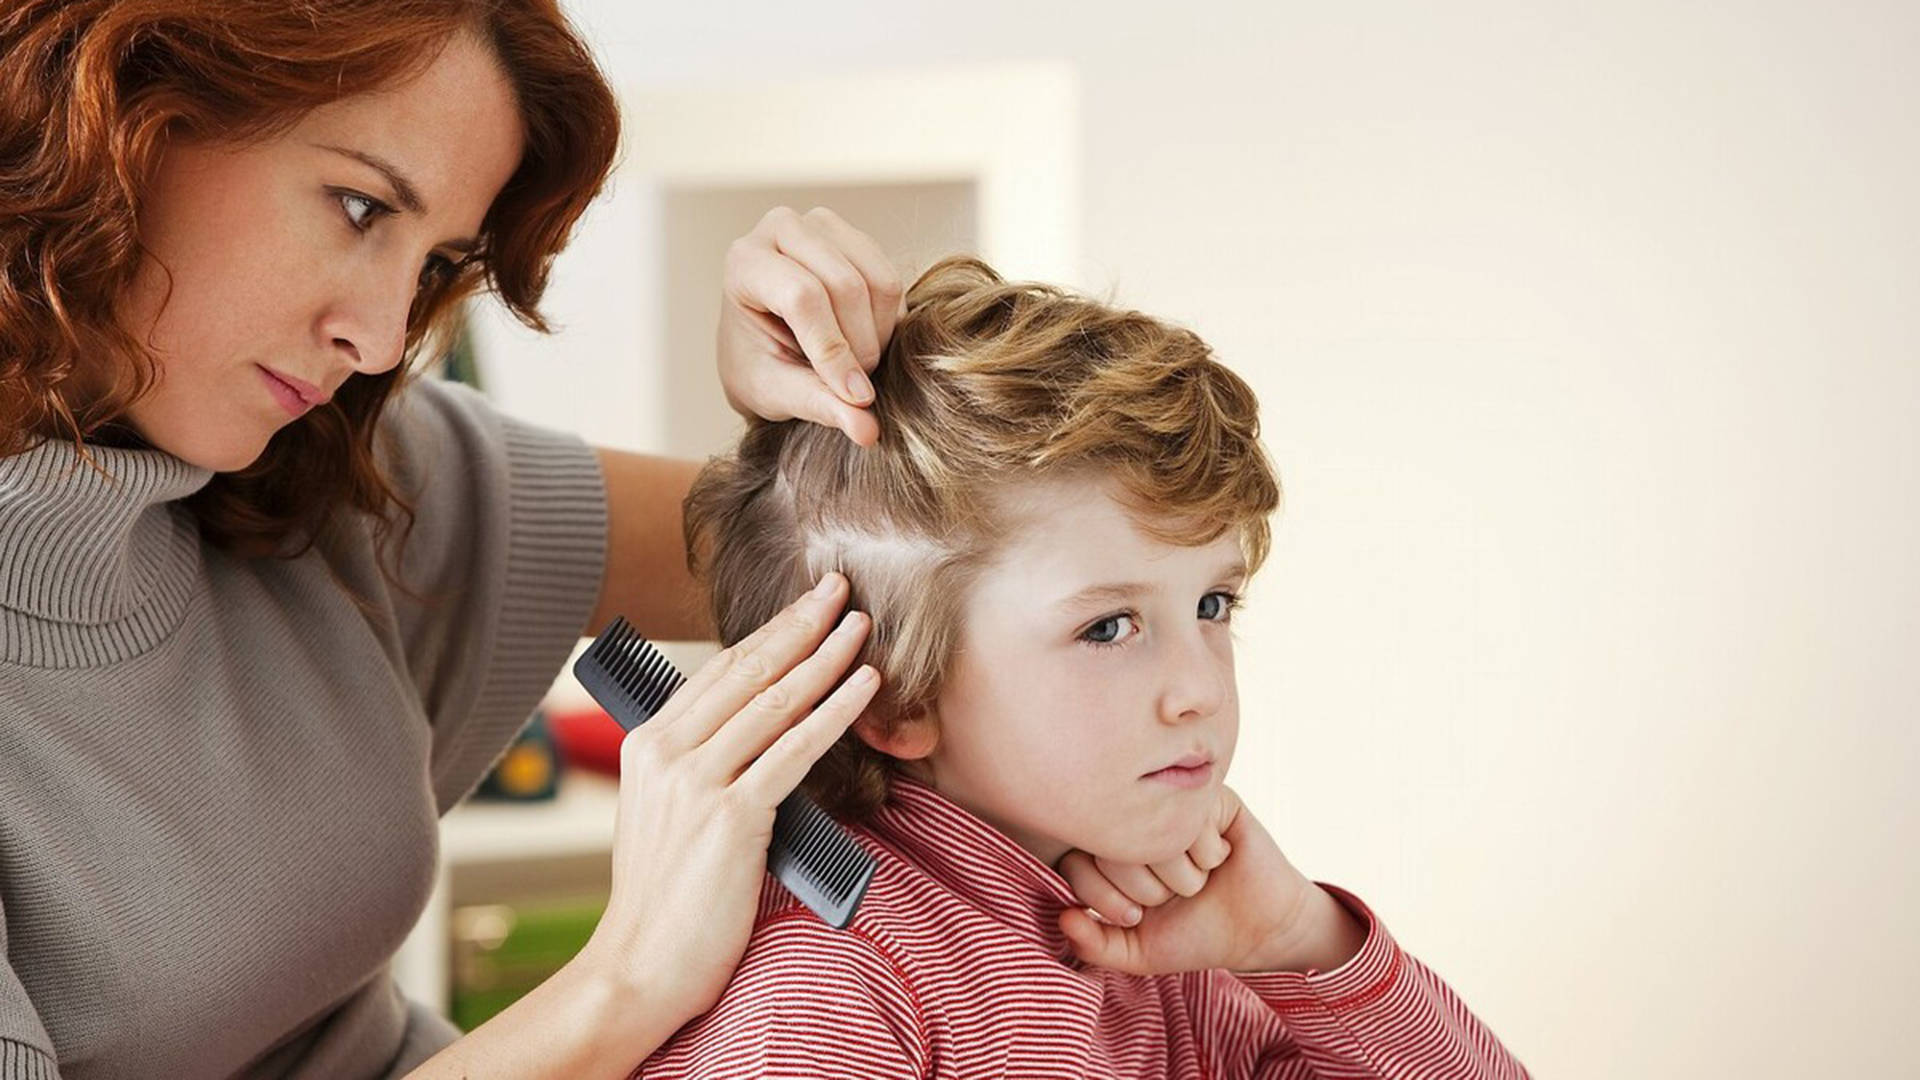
x=368 y=323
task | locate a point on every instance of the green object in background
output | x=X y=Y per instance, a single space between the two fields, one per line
x=501 y=951
x=461 y=363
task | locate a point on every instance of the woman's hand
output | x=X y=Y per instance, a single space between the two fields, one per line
x=699 y=784
x=808 y=303
x=1250 y=910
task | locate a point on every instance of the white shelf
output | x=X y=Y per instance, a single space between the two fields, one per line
x=579 y=820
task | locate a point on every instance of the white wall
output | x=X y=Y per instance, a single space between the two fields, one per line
x=1587 y=651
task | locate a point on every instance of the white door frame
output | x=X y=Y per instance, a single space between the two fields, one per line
x=1012 y=130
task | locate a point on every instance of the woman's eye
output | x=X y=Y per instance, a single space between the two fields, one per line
x=360 y=210
x=438 y=270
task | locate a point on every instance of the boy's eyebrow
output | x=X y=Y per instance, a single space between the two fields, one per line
x=1109 y=593
x=404 y=192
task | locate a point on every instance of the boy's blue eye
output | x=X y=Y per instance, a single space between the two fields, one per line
x=1223 y=612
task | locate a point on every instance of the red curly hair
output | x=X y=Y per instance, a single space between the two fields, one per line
x=90 y=92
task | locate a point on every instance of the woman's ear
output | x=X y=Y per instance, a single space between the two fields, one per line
x=908 y=739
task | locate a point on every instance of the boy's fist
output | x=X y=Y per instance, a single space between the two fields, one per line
x=1250 y=910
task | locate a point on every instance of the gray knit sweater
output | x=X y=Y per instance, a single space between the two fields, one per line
x=220 y=779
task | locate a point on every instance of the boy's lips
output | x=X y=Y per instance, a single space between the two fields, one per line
x=1189 y=770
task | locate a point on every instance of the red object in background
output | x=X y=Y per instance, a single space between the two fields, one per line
x=587 y=737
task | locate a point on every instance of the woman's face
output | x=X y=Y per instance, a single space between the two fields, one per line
x=290 y=264
x=1062 y=710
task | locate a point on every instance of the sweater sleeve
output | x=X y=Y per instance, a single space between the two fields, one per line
x=1381 y=1014
x=806 y=1001
x=26 y=1051
x=506 y=553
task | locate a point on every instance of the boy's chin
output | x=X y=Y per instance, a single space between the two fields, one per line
x=1141 y=847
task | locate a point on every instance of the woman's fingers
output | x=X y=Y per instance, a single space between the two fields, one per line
x=885 y=291
x=775 y=773
x=762 y=276
x=710 y=672
x=779 y=339
x=807 y=242
x=772 y=711
x=809 y=302
x=1093 y=890
x=756 y=662
x=805 y=396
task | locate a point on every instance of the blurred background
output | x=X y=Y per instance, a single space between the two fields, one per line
x=1589 y=650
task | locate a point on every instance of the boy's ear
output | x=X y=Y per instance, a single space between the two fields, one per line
x=910 y=739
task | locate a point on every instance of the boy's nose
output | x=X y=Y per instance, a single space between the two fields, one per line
x=1196 y=688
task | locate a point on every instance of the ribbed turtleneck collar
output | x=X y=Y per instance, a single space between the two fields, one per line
x=88 y=551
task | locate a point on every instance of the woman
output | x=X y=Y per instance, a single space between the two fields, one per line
x=267 y=608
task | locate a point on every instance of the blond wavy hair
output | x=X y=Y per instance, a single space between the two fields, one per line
x=984 y=385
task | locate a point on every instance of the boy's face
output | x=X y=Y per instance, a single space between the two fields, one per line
x=1059 y=715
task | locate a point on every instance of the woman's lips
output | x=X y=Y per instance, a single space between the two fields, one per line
x=284 y=393
x=311 y=393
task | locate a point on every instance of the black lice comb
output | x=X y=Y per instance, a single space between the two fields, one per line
x=811 y=854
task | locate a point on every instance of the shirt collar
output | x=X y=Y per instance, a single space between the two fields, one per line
x=976 y=862
x=91 y=545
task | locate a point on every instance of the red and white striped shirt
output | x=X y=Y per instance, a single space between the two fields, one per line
x=955 y=966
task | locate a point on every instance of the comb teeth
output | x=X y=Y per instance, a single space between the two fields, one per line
x=625 y=665
x=812 y=854
x=817 y=860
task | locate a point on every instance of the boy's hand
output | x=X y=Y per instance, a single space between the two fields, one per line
x=1252 y=912
x=1117 y=892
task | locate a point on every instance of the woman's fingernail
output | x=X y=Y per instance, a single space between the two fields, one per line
x=858 y=388
x=826 y=586
x=1133 y=916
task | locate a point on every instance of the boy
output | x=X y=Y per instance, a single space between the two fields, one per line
x=1050 y=536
